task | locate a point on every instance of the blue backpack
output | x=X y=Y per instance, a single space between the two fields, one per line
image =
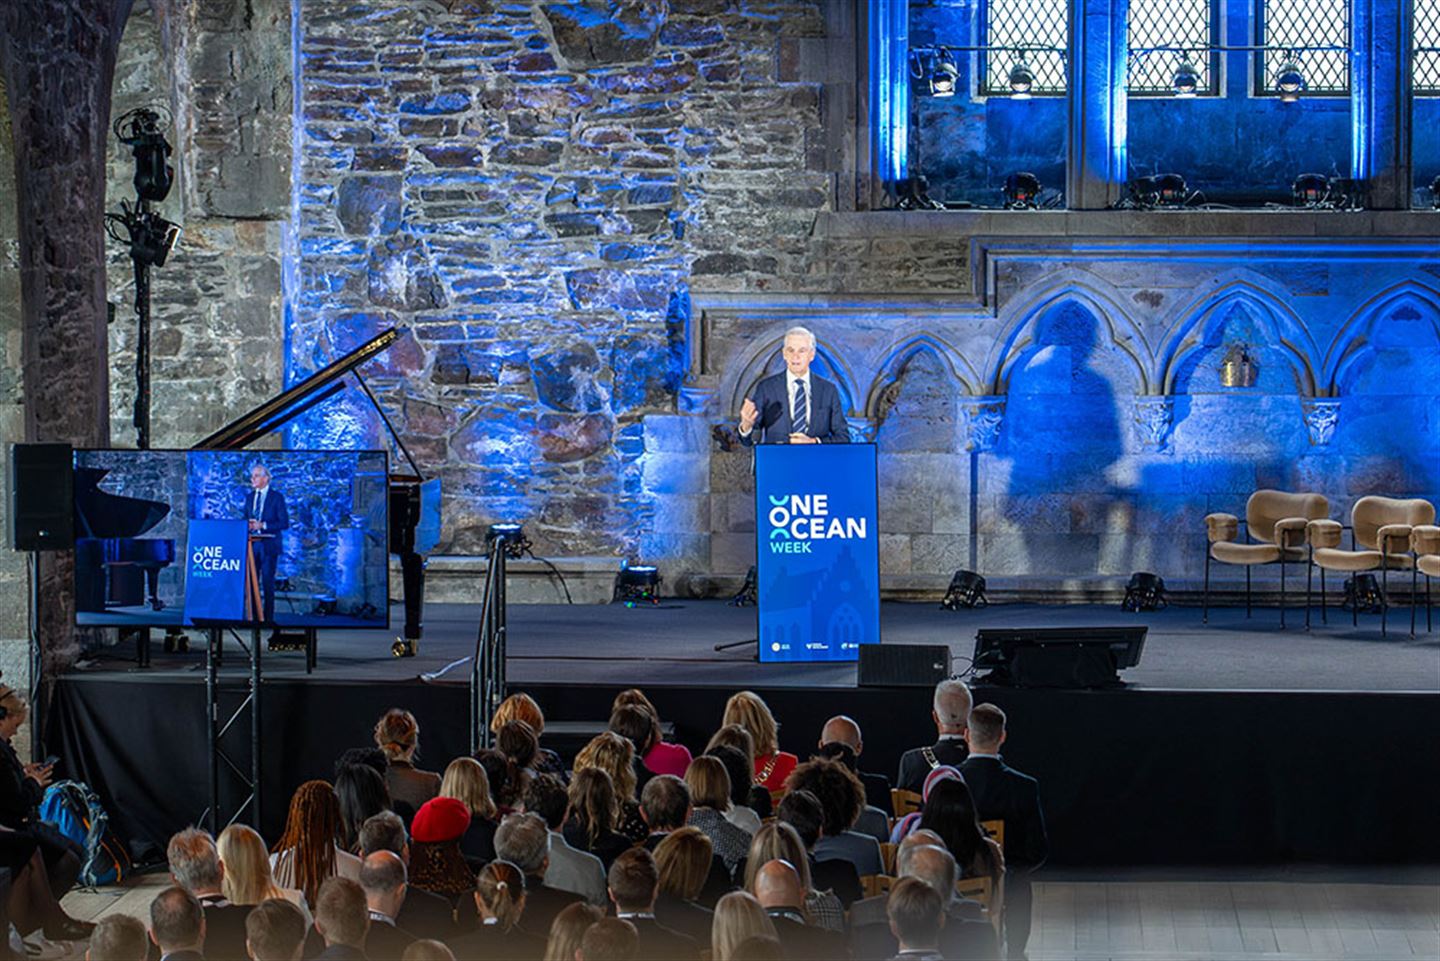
x=77 y=813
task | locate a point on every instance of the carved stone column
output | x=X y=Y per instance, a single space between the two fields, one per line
x=1322 y=416
x=983 y=417
x=1154 y=419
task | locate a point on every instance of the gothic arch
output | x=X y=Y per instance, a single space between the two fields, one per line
x=740 y=378
x=1353 y=338
x=898 y=355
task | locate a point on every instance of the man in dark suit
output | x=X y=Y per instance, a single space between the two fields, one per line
x=917 y=915
x=665 y=807
x=274 y=928
x=777 y=888
x=794 y=406
x=845 y=730
x=424 y=914
x=195 y=866
x=1002 y=793
x=342 y=919
x=524 y=841
x=177 y=925
x=265 y=510
x=951 y=711
x=383 y=878
x=634 y=883
x=967 y=934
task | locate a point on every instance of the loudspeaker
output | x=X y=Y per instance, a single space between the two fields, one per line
x=41 y=515
x=903 y=665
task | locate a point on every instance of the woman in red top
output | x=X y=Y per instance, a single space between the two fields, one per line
x=659 y=757
x=772 y=765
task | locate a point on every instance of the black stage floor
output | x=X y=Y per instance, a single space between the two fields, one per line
x=1232 y=743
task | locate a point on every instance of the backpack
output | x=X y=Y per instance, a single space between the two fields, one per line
x=77 y=813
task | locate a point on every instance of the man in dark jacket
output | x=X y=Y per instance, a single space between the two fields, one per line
x=777 y=888
x=195 y=866
x=342 y=920
x=634 y=884
x=950 y=710
x=177 y=925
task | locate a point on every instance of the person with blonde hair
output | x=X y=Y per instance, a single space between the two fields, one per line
x=568 y=928
x=662 y=757
x=615 y=755
x=593 y=813
x=779 y=841
x=738 y=917
x=499 y=903
x=465 y=780
x=247 y=879
x=709 y=785
x=397 y=733
x=683 y=860
x=522 y=707
x=772 y=765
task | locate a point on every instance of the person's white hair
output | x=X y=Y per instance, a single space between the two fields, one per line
x=932 y=864
x=952 y=703
x=801 y=332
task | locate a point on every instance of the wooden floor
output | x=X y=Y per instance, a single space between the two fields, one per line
x=1131 y=921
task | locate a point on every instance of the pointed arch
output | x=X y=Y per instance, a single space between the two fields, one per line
x=899 y=355
x=1354 y=335
x=740 y=378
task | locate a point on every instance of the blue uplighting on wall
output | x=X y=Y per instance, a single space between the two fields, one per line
x=890 y=88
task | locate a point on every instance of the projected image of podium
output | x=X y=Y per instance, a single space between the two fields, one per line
x=817 y=551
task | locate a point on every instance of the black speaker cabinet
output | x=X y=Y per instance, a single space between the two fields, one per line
x=41 y=514
x=903 y=665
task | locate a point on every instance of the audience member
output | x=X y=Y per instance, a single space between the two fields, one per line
x=361 y=791
x=802 y=811
x=904 y=826
x=950 y=710
x=739 y=918
x=500 y=902
x=615 y=756
x=424 y=913
x=506 y=783
x=738 y=768
x=967 y=934
x=369 y=756
x=759 y=948
x=383 y=879
x=590 y=826
x=436 y=864
x=610 y=939
x=519 y=743
x=638 y=726
x=634 y=886
x=1002 y=793
x=342 y=920
x=663 y=757
x=524 y=841
x=195 y=866
x=841 y=729
x=570 y=870
x=427 y=950
x=709 y=785
x=177 y=926
x=665 y=806
x=245 y=872
x=683 y=862
x=772 y=766
x=755 y=797
x=950 y=813
x=916 y=916
x=118 y=937
x=872 y=820
x=397 y=733
x=778 y=841
x=466 y=781
x=568 y=928
x=522 y=707
x=306 y=853
x=275 y=931
x=841 y=797
x=779 y=889
x=22 y=786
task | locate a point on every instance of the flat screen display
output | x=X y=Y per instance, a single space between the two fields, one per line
x=202 y=538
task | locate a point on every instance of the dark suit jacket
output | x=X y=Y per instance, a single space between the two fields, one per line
x=914 y=768
x=273 y=516
x=877 y=792
x=806 y=942
x=386 y=942
x=826 y=416
x=488 y=941
x=687 y=917
x=187 y=956
x=541 y=905
x=964 y=934
x=661 y=943
x=1003 y=793
x=342 y=952
x=225 y=930
x=426 y=914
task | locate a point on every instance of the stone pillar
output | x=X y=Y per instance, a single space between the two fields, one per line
x=889 y=95
x=1096 y=171
x=1380 y=101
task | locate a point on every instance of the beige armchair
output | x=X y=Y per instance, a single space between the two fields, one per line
x=1275 y=522
x=1425 y=545
x=1382 y=527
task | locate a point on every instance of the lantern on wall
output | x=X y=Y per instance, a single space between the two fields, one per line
x=1238 y=369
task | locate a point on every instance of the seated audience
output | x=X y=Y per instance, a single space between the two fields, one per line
x=22 y=787
x=739 y=919
x=1002 y=793
x=275 y=931
x=662 y=757
x=245 y=870
x=423 y=913
x=610 y=939
x=802 y=811
x=843 y=730
x=119 y=937
x=760 y=948
x=778 y=841
x=507 y=782
x=737 y=770
x=524 y=841
x=568 y=928
x=967 y=933
x=500 y=900
x=950 y=710
x=342 y=920
x=950 y=813
x=615 y=756
x=518 y=742
x=841 y=797
x=709 y=785
x=634 y=886
x=31 y=904
x=383 y=879
x=397 y=733
x=916 y=916
x=466 y=781
x=590 y=826
x=780 y=891
x=570 y=869
x=306 y=853
x=872 y=820
x=638 y=726
x=426 y=950
x=436 y=864
x=177 y=926
x=522 y=707
x=665 y=806
x=195 y=866
x=683 y=861
x=361 y=791
x=755 y=797
x=772 y=765
x=904 y=826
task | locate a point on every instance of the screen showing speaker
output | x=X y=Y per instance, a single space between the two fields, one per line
x=200 y=538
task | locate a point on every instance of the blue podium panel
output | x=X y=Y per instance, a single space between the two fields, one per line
x=818 y=551
x=215 y=571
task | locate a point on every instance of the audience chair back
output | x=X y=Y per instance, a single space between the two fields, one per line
x=888 y=853
x=976 y=889
x=905 y=802
x=1266 y=508
x=995 y=831
x=1372 y=513
x=874 y=885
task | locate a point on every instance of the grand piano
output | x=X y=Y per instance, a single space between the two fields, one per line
x=414 y=501
x=116 y=566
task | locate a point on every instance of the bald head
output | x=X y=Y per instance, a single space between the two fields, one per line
x=951 y=706
x=842 y=730
x=919 y=838
x=777 y=885
x=383 y=878
x=933 y=865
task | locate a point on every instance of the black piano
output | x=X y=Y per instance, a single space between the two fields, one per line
x=414 y=501
x=116 y=567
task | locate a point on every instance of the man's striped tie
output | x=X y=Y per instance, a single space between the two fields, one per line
x=802 y=410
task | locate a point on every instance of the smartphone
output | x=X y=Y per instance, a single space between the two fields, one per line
x=50 y=761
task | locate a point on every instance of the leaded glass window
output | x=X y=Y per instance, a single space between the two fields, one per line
x=1289 y=24
x=1427 y=43
x=1021 y=26
x=1185 y=28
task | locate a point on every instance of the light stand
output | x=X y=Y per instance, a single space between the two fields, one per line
x=487 y=669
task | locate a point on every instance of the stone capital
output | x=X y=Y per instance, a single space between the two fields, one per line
x=1322 y=416
x=1154 y=419
x=983 y=417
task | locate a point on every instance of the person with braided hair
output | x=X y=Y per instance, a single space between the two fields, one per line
x=500 y=902
x=306 y=853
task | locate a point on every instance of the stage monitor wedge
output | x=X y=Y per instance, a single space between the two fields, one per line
x=1057 y=657
x=903 y=665
x=41 y=513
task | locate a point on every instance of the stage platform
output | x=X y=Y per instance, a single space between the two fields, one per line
x=1232 y=742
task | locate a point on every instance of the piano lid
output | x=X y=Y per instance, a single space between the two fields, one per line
x=99 y=513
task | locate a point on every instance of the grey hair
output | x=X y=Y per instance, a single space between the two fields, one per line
x=524 y=841
x=929 y=863
x=258 y=465
x=801 y=332
x=194 y=860
x=952 y=703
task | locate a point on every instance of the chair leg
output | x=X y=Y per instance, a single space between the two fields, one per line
x=1282 y=590
x=1427 y=604
x=1205 y=603
x=1384 y=597
x=1414 y=590
x=1247 y=590
x=1324 y=611
x=1309 y=590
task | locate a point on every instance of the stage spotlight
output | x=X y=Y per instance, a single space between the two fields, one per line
x=746 y=596
x=967 y=589
x=1186 y=79
x=1310 y=190
x=637 y=584
x=1144 y=192
x=944 y=74
x=1145 y=592
x=1022 y=80
x=1290 y=81
x=152 y=237
x=509 y=537
x=913 y=193
x=143 y=131
x=1435 y=193
x=1346 y=193
x=1170 y=190
x=1022 y=191
x=1364 y=595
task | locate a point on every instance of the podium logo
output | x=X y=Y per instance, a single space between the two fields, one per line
x=798 y=520
x=210 y=560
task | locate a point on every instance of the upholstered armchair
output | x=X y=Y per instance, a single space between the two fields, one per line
x=1425 y=545
x=1275 y=524
x=1382 y=529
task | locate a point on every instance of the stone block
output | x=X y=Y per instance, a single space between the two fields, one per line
x=666 y=473
x=369 y=204
x=573 y=437
x=951 y=515
x=681 y=514
x=739 y=512
x=1025 y=512
x=674 y=433
x=938 y=553
x=733 y=471
x=676 y=554
x=1101 y=513
x=895 y=555
x=731 y=553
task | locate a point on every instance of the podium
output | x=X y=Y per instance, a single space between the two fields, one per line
x=817 y=567
x=221 y=586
